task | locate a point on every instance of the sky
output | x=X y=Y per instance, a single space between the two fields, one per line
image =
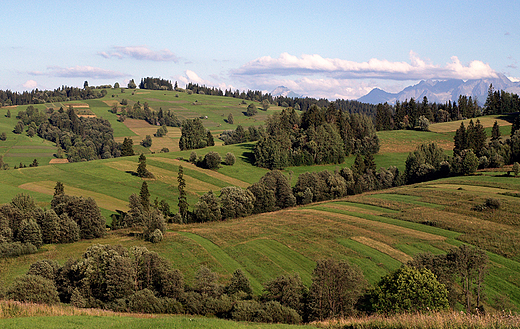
x=321 y=49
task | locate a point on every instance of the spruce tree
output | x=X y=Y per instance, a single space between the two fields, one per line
x=127 y=147
x=141 y=168
x=460 y=139
x=144 y=195
x=479 y=138
x=495 y=132
x=59 y=189
x=183 y=202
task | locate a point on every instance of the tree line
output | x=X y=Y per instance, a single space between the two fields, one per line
x=297 y=103
x=139 y=280
x=62 y=94
x=25 y=227
x=411 y=114
x=317 y=136
x=156 y=84
x=143 y=112
x=81 y=139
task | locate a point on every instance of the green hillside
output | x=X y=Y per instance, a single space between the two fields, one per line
x=377 y=231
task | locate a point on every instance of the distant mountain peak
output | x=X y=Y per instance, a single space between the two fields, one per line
x=284 y=92
x=441 y=91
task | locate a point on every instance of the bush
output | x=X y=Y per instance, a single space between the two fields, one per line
x=147 y=141
x=493 y=203
x=156 y=236
x=411 y=290
x=44 y=268
x=212 y=160
x=229 y=159
x=15 y=249
x=164 y=150
x=145 y=301
x=33 y=289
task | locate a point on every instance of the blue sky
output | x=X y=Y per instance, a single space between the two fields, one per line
x=331 y=49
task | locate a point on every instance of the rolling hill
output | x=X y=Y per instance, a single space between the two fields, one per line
x=377 y=231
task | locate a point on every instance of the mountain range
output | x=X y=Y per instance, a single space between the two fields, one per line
x=285 y=92
x=441 y=91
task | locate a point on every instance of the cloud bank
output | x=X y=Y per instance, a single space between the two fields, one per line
x=141 y=53
x=416 y=69
x=79 y=72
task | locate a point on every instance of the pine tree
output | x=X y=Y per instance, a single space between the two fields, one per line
x=183 y=202
x=127 y=147
x=144 y=195
x=460 y=139
x=495 y=132
x=59 y=189
x=209 y=139
x=141 y=168
x=479 y=138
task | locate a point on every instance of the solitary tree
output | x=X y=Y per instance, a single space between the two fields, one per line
x=141 y=168
x=251 y=110
x=59 y=189
x=147 y=141
x=336 y=287
x=144 y=195
x=127 y=147
x=230 y=119
x=411 y=290
x=183 y=200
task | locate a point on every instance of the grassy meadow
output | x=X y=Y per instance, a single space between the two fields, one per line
x=377 y=231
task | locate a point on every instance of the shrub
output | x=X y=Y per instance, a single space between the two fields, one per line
x=145 y=301
x=33 y=289
x=492 y=203
x=156 y=236
x=15 y=249
x=147 y=141
x=411 y=290
x=44 y=268
x=164 y=150
x=212 y=160
x=229 y=159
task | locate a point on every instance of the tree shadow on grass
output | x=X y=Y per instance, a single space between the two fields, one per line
x=509 y=117
x=248 y=156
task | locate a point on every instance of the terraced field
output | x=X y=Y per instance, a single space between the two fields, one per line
x=376 y=231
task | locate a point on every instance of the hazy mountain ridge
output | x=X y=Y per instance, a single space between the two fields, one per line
x=441 y=91
x=285 y=92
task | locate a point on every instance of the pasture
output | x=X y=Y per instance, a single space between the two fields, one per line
x=377 y=231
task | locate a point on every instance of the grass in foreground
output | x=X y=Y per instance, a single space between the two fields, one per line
x=26 y=315
x=453 y=320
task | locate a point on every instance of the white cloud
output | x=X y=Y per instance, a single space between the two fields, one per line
x=141 y=53
x=318 y=88
x=193 y=77
x=30 y=84
x=417 y=69
x=79 y=72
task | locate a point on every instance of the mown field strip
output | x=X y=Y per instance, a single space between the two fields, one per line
x=226 y=261
x=410 y=199
x=165 y=176
x=103 y=201
x=471 y=188
x=386 y=225
x=212 y=173
x=372 y=262
x=384 y=248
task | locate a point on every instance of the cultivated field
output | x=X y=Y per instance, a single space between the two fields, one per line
x=377 y=231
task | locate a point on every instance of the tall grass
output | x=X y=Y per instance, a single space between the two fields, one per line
x=427 y=321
